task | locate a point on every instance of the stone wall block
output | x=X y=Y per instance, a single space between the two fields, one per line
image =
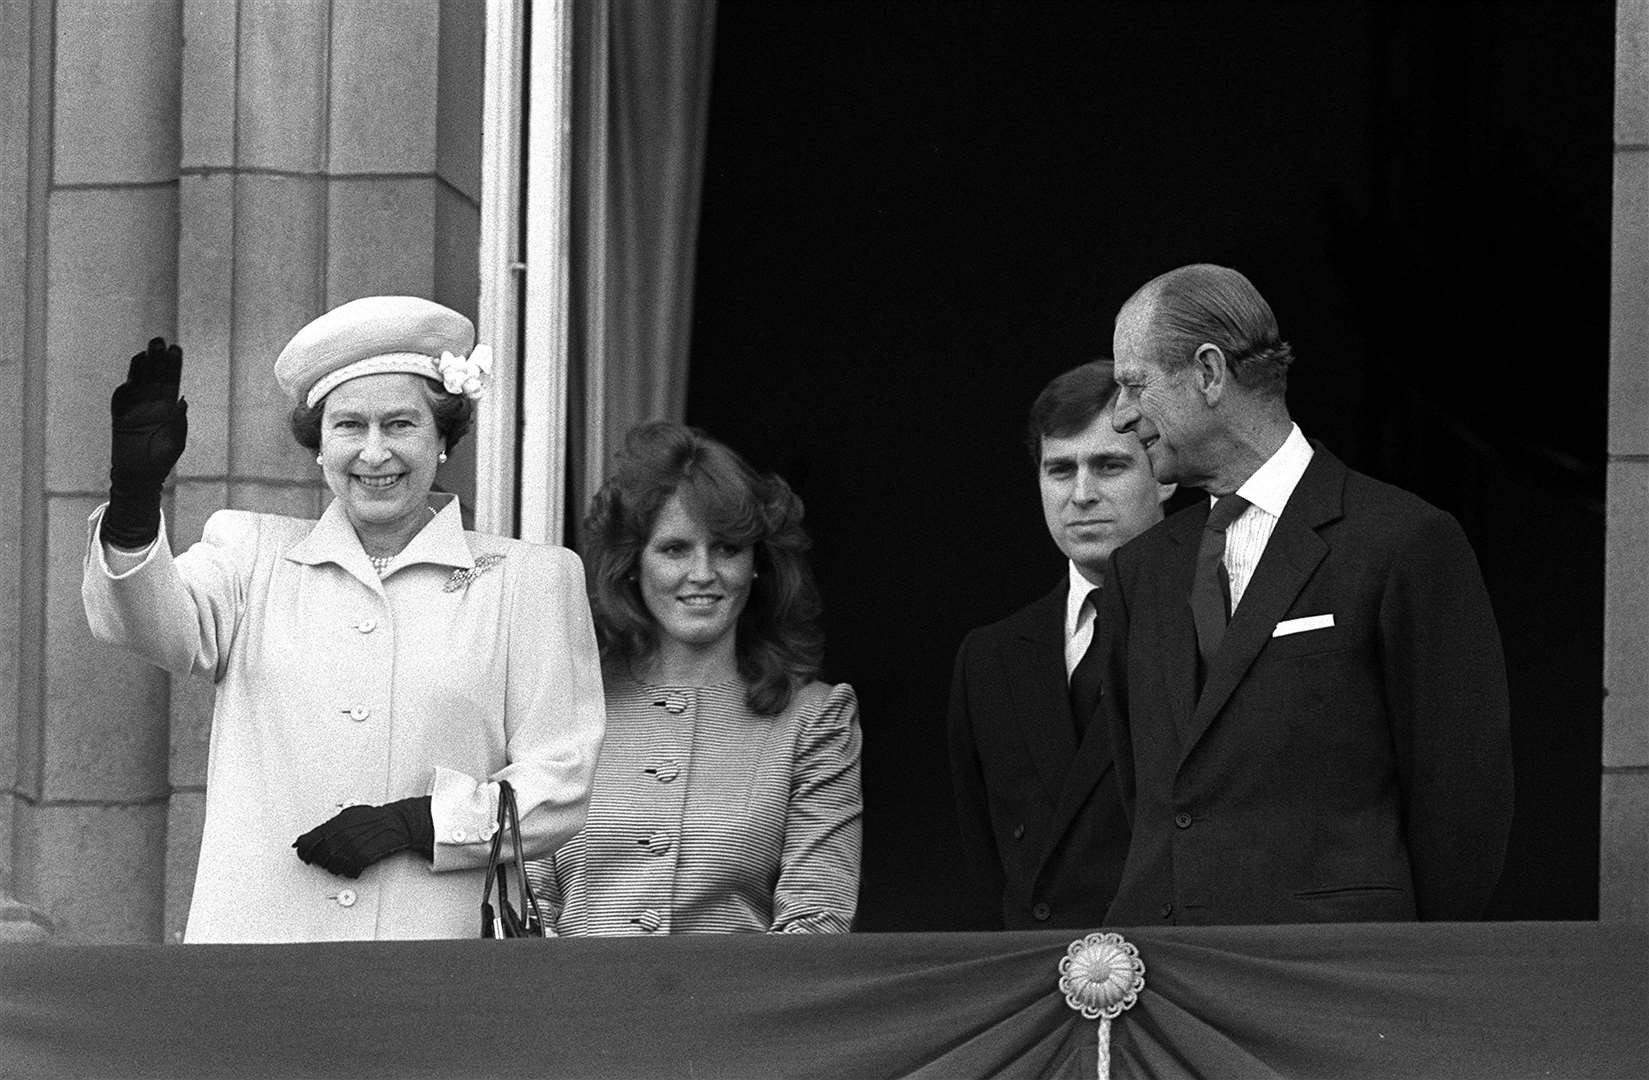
x=106 y=709
x=380 y=238
x=8 y=826
x=205 y=324
x=112 y=280
x=457 y=251
x=1631 y=73
x=282 y=105
x=294 y=500
x=383 y=86
x=1626 y=617
x=97 y=877
x=1623 y=889
x=185 y=819
x=207 y=107
x=462 y=57
x=115 y=91
x=279 y=285
x=1629 y=306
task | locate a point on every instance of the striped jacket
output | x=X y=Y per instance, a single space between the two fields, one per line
x=708 y=818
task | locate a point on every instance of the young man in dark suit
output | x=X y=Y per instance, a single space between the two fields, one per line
x=1042 y=825
x=1304 y=681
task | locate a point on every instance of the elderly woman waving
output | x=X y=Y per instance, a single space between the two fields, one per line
x=727 y=797
x=378 y=671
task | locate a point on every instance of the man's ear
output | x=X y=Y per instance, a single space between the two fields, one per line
x=1166 y=492
x=1208 y=365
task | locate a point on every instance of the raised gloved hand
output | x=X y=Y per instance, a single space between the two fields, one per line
x=150 y=428
x=358 y=836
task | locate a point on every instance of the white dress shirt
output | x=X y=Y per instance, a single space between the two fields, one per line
x=1267 y=492
x=1079 y=620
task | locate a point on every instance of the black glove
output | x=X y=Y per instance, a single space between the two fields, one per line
x=359 y=836
x=151 y=426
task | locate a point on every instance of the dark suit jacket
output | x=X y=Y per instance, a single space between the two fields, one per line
x=1360 y=772
x=1042 y=826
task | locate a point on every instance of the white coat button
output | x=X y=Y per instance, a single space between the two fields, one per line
x=459 y=836
x=366 y=626
x=359 y=713
x=346 y=898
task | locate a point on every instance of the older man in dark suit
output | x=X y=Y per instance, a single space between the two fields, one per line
x=1042 y=825
x=1304 y=680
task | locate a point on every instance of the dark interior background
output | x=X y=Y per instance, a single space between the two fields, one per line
x=917 y=212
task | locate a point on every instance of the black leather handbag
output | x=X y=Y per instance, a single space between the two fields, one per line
x=505 y=921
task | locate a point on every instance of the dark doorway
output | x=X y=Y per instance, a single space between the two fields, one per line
x=916 y=213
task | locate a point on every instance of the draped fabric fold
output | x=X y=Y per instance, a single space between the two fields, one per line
x=1429 y=1000
x=641 y=111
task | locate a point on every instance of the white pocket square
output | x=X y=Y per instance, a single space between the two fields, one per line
x=1300 y=626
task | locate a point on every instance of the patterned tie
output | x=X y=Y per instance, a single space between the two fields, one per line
x=1085 y=676
x=1211 y=587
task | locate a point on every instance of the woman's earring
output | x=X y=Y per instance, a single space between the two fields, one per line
x=319 y=460
x=441 y=458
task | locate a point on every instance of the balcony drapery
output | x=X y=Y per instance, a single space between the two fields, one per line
x=1430 y=1000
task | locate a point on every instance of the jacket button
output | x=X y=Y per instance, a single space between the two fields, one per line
x=1040 y=912
x=366 y=626
x=1182 y=819
x=1019 y=832
x=345 y=898
x=1167 y=910
x=359 y=713
x=648 y=920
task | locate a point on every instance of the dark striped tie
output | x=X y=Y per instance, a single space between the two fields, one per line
x=1211 y=587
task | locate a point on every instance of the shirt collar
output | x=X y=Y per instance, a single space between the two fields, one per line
x=440 y=541
x=1273 y=482
x=1074 y=596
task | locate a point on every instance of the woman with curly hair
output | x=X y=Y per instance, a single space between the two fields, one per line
x=727 y=795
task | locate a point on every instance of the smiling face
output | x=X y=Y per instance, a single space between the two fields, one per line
x=695 y=584
x=1097 y=492
x=1162 y=407
x=379 y=447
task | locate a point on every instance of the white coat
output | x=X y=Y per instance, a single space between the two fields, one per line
x=472 y=660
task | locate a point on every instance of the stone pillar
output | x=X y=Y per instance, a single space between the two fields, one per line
x=1623 y=892
x=17 y=920
x=99 y=240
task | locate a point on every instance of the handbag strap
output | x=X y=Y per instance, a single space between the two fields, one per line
x=506 y=796
x=509 y=820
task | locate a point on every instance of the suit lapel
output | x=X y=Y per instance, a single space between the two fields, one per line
x=1092 y=759
x=1291 y=556
x=1037 y=687
x=1178 y=645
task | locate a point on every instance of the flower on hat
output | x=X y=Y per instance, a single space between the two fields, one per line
x=468 y=375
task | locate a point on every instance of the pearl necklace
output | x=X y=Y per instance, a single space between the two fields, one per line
x=380 y=563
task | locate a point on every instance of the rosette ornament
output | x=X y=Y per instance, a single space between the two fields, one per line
x=1101 y=975
x=467 y=375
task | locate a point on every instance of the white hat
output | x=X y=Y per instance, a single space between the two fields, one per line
x=378 y=334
